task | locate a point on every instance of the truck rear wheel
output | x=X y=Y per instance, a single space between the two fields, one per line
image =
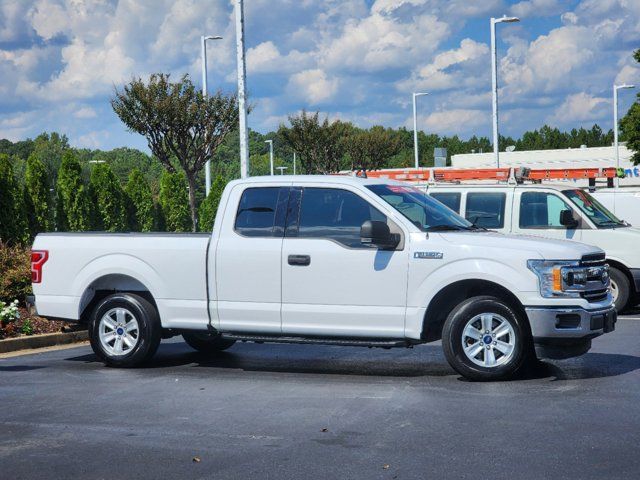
x=620 y=288
x=203 y=342
x=124 y=330
x=485 y=339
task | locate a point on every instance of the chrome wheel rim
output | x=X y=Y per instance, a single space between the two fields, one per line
x=614 y=290
x=488 y=340
x=119 y=331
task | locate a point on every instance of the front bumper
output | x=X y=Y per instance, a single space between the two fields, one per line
x=563 y=332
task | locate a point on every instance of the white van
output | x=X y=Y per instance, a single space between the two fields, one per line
x=556 y=211
x=624 y=202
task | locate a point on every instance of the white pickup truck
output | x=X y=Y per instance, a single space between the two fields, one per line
x=555 y=211
x=330 y=260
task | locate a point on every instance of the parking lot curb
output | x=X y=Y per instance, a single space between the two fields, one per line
x=42 y=341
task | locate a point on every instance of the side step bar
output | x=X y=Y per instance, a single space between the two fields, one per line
x=346 y=342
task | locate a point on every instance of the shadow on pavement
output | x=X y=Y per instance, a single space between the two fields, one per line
x=19 y=368
x=425 y=360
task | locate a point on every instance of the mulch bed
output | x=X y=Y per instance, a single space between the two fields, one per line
x=38 y=325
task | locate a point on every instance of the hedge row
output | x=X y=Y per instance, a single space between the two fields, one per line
x=101 y=204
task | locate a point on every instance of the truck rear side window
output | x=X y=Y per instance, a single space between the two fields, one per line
x=335 y=214
x=257 y=212
x=450 y=199
x=486 y=209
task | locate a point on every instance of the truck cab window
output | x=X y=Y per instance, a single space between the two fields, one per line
x=257 y=212
x=541 y=210
x=486 y=209
x=450 y=199
x=335 y=214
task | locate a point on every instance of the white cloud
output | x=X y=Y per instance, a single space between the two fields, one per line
x=85 y=112
x=580 y=107
x=313 y=86
x=455 y=120
x=537 y=8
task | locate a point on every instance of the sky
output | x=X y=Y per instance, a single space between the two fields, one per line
x=354 y=60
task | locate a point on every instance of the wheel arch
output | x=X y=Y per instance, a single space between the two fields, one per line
x=625 y=270
x=453 y=294
x=108 y=284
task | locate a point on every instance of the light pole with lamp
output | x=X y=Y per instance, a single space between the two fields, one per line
x=615 y=124
x=415 y=128
x=270 y=142
x=203 y=44
x=494 y=81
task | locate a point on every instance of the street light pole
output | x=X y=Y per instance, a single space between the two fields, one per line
x=203 y=44
x=294 y=163
x=494 y=81
x=270 y=142
x=282 y=169
x=615 y=124
x=415 y=128
x=242 y=94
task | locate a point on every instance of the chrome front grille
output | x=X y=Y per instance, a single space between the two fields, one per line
x=595 y=290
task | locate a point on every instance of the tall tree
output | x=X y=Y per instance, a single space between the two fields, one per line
x=318 y=144
x=108 y=199
x=39 y=193
x=630 y=123
x=209 y=206
x=13 y=221
x=371 y=149
x=141 y=202
x=178 y=122
x=174 y=202
x=74 y=210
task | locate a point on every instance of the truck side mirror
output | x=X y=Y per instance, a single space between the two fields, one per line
x=567 y=219
x=377 y=233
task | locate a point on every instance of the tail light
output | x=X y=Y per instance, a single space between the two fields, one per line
x=38 y=259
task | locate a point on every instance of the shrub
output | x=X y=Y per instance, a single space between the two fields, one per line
x=15 y=265
x=14 y=228
x=209 y=206
x=109 y=199
x=38 y=194
x=74 y=210
x=174 y=200
x=142 y=217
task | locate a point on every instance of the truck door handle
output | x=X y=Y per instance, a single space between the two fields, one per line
x=302 y=260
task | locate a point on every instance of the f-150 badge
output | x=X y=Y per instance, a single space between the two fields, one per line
x=428 y=255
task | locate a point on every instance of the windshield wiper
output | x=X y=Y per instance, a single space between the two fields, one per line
x=445 y=228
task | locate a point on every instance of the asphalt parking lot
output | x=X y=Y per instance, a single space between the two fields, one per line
x=282 y=411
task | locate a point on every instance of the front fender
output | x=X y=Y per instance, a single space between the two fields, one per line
x=513 y=279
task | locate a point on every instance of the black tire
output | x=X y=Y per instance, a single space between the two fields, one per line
x=149 y=331
x=507 y=365
x=620 y=282
x=206 y=343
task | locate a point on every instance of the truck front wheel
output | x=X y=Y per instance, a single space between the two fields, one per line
x=203 y=342
x=124 y=330
x=485 y=339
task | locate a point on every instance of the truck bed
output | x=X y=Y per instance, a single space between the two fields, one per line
x=171 y=266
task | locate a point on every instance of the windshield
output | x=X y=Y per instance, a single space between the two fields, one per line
x=423 y=211
x=596 y=212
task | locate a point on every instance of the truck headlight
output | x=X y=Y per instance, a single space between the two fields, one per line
x=558 y=278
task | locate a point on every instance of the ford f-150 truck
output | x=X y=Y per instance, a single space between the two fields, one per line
x=330 y=260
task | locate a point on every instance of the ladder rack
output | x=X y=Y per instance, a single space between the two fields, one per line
x=510 y=174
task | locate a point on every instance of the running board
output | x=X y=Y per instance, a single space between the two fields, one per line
x=345 y=342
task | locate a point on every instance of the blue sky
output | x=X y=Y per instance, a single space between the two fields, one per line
x=356 y=60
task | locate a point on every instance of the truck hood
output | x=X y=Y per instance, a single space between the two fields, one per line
x=548 y=249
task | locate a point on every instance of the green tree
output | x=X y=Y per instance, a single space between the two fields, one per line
x=74 y=210
x=109 y=199
x=372 y=149
x=140 y=202
x=209 y=206
x=13 y=220
x=630 y=123
x=179 y=123
x=174 y=201
x=39 y=195
x=318 y=144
